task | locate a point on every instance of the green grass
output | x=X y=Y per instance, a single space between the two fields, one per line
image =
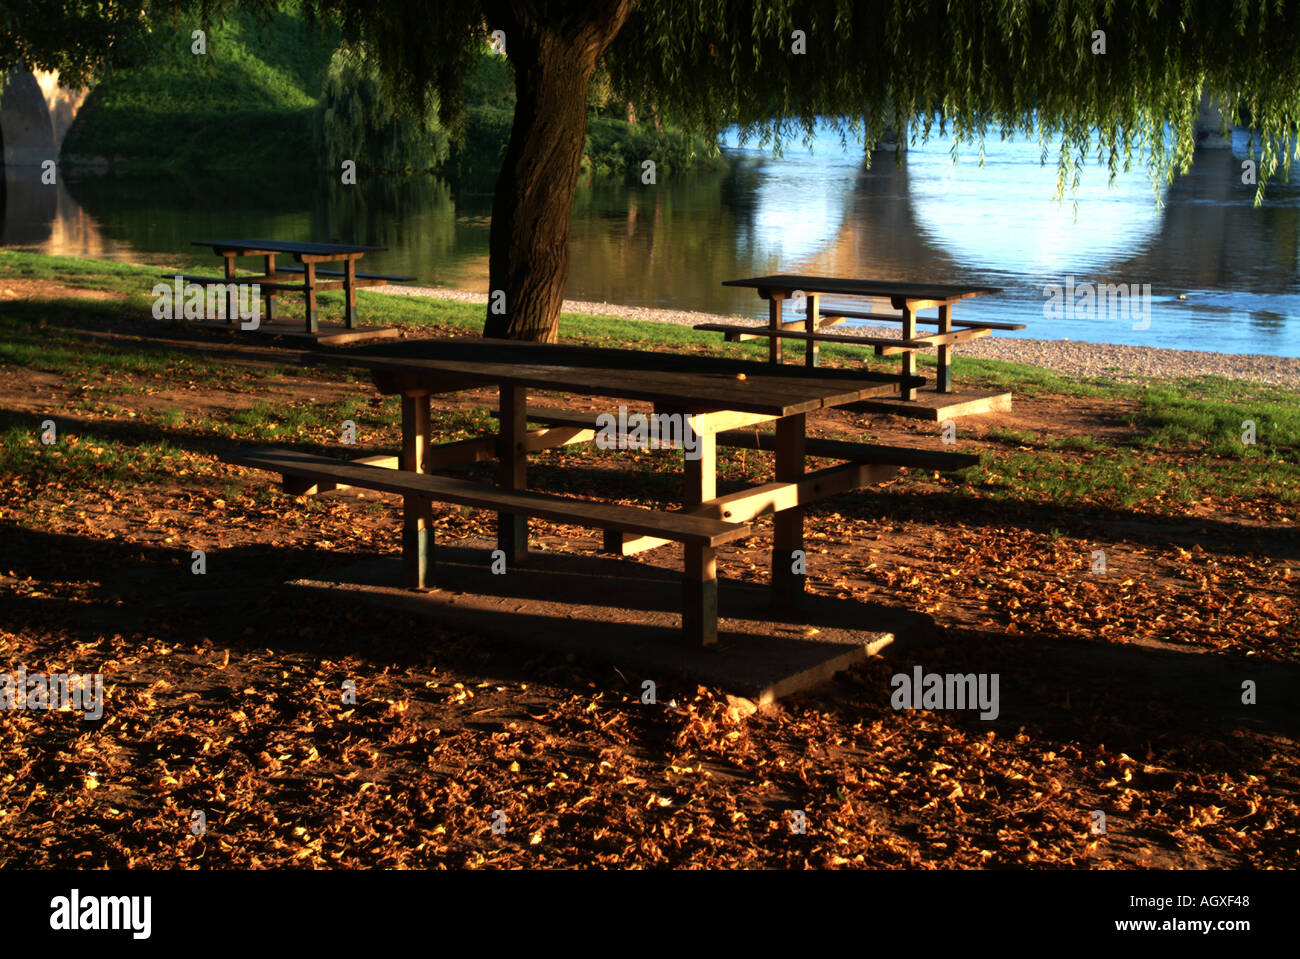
x=1170 y=443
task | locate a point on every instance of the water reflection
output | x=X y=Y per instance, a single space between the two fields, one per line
x=1223 y=274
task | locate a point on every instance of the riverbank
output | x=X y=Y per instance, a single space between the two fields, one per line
x=1126 y=364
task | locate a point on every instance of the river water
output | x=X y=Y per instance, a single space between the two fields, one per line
x=1222 y=274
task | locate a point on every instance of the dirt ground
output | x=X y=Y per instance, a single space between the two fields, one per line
x=1120 y=693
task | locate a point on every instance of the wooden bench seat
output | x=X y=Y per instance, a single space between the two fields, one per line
x=870 y=453
x=360 y=276
x=926 y=320
x=679 y=527
x=238 y=281
x=699 y=535
x=885 y=346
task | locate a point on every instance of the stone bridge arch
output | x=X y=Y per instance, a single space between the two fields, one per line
x=35 y=115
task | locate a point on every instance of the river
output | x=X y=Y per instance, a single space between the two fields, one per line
x=1222 y=274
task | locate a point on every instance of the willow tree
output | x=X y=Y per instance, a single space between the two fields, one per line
x=78 y=38
x=1123 y=78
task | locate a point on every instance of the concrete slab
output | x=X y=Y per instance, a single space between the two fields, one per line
x=930 y=405
x=627 y=613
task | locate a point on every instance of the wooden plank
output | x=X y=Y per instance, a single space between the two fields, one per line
x=893 y=343
x=270 y=293
x=512 y=528
x=417 y=511
x=787 y=525
x=731 y=336
x=929 y=320
x=915 y=305
x=260 y=247
x=230 y=293
x=700 y=595
x=842 y=286
x=720 y=420
x=310 y=282
x=748 y=504
x=774 y=322
x=677 y=526
x=704 y=383
x=943 y=375
x=478 y=449
x=350 y=294
x=941 y=340
x=296 y=486
x=702 y=472
x=238 y=281
x=857 y=452
x=811 y=354
x=909 y=357
x=360 y=276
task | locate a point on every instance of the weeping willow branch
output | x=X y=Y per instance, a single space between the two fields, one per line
x=1013 y=67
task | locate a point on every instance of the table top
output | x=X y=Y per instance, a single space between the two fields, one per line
x=672 y=380
x=840 y=286
x=289 y=246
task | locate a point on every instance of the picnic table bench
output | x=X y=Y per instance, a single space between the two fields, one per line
x=281 y=279
x=907 y=298
x=719 y=397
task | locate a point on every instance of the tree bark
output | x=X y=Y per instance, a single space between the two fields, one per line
x=554 y=48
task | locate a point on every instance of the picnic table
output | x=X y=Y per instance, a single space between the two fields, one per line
x=309 y=256
x=907 y=298
x=723 y=399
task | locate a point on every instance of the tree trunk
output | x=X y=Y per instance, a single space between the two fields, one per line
x=554 y=51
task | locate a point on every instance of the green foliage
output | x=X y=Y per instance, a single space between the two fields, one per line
x=356 y=121
x=79 y=38
x=614 y=147
x=248 y=101
x=423 y=51
x=1010 y=66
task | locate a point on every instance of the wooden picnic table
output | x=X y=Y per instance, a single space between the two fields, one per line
x=309 y=256
x=720 y=397
x=908 y=298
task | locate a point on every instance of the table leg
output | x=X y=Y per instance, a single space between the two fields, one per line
x=309 y=278
x=787 y=524
x=512 y=454
x=700 y=579
x=417 y=511
x=700 y=596
x=270 y=274
x=774 y=320
x=231 y=314
x=943 y=374
x=909 y=357
x=810 y=325
x=350 y=292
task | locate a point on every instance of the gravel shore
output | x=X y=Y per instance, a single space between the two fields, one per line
x=1122 y=363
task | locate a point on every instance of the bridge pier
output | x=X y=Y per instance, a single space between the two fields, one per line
x=35 y=115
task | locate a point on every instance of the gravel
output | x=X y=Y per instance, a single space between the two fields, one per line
x=1100 y=360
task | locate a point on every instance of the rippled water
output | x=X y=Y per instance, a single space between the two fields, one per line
x=1222 y=274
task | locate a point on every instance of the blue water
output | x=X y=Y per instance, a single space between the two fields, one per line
x=1222 y=274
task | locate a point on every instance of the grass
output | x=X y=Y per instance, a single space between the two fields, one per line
x=1174 y=442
